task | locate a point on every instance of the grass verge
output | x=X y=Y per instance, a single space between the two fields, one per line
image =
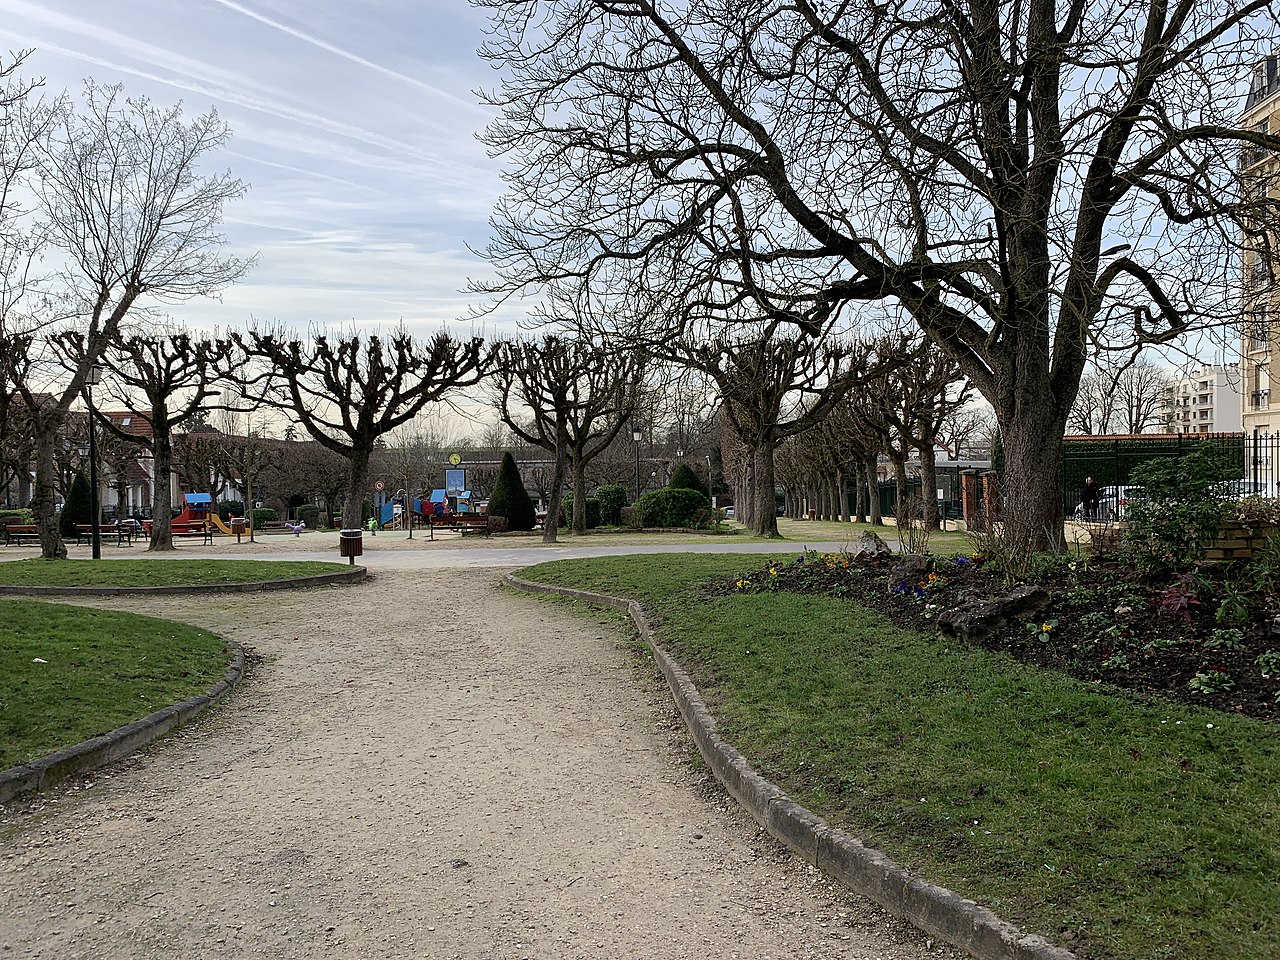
x=1118 y=827
x=155 y=573
x=70 y=673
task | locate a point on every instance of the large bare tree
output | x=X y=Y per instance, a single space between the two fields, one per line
x=123 y=214
x=351 y=391
x=1018 y=177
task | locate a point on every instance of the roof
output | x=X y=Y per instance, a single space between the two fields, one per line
x=194 y=498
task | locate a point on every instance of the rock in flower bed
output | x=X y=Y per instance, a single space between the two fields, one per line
x=1202 y=638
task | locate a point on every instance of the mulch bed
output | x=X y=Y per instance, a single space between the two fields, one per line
x=1196 y=640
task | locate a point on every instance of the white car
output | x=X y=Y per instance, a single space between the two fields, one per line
x=1113 y=503
x=1242 y=489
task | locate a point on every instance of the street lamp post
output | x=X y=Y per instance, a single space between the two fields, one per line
x=637 y=435
x=91 y=380
x=710 y=482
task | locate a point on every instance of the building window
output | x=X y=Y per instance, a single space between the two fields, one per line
x=1258 y=329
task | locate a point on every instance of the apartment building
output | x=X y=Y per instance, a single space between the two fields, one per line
x=1205 y=398
x=1258 y=361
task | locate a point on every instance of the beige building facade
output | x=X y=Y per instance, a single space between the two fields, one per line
x=1259 y=359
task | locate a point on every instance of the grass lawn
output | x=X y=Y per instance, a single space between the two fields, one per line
x=154 y=573
x=1115 y=826
x=101 y=669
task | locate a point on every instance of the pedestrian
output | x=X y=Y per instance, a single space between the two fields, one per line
x=373 y=526
x=1090 y=497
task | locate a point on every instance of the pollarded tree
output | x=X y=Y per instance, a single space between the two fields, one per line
x=351 y=391
x=1018 y=177
x=570 y=397
x=510 y=499
x=175 y=374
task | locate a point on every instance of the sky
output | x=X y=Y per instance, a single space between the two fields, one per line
x=354 y=125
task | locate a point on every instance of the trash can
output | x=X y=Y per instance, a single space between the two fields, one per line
x=351 y=545
x=237 y=526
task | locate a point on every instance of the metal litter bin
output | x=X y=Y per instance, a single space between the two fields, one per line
x=351 y=545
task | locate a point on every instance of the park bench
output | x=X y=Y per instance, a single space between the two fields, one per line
x=190 y=530
x=276 y=526
x=16 y=534
x=123 y=533
x=465 y=522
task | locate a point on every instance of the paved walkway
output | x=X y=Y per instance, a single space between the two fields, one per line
x=421 y=766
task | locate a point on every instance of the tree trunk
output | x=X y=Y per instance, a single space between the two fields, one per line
x=551 y=525
x=873 y=492
x=579 y=495
x=162 y=494
x=44 y=496
x=351 y=510
x=764 y=504
x=929 y=484
x=842 y=488
x=747 y=499
x=1031 y=507
x=902 y=486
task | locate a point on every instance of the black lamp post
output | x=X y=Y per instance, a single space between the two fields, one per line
x=91 y=380
x=637 y=435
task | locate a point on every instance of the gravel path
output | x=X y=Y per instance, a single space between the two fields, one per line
x=421 y=766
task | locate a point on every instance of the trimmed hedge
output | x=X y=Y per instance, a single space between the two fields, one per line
x=510 y=499
x=686 y=478
x=230 y=508
x=674 y=507
x=612 y=497
x=593 y=511
x=78 y=507
x=264 y=515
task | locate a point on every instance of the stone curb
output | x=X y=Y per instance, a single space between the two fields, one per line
x=44 y=772
x=317 y=580
x=934 y=909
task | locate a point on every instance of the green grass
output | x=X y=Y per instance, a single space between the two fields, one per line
x=1120 y=827
x=102 y=669
x=155 y=573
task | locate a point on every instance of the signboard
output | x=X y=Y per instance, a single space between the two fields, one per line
x=378 y=486
x=455 y=481
x=455 y=459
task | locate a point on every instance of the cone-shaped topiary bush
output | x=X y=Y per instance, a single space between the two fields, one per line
x=510 y=499
x=684 y=478
x=78 y=508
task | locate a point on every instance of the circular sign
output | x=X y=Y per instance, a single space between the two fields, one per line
x=378 y=486
x=455 y=458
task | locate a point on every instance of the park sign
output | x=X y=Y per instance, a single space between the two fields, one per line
x=455 y=482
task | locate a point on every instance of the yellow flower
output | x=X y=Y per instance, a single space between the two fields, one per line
x=773 y=571
x=1046 y=627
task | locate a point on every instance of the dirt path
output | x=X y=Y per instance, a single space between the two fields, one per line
x=422 y=766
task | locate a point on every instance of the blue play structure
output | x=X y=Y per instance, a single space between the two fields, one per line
x=461 y=504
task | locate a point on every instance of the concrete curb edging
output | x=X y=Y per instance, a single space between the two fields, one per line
x=354 y=575
x=100 y=750
x=934 y=909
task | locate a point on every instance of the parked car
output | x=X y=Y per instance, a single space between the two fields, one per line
x=1113 y=503
x=1241 y=489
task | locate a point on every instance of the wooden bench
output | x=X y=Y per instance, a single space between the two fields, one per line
x=123 y=533
x=203 y=530
x=16 y=534
x=465 y=522
x=276 y=526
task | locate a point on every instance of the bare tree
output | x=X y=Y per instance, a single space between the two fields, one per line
x=1018 y=178
x=175 y=374
x=571 y=398
x=1120 y=396
x=123 y=215
x=350 y=392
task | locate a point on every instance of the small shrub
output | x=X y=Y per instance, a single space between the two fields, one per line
x=672 y=506
x=685 y=478
x=1179 y=597
x=1263 y=570
x=1177 y=513
x=264 y=515
x=1269 y=664
x=1212 y=680
x=310 y=515
x=913 y=534
x=498 y=524
x=22 y=516
x=612 y=497
x=631 y=517
x=77 y=509
x=1226 y=638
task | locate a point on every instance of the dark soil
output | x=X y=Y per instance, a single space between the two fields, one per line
x=1192 y=638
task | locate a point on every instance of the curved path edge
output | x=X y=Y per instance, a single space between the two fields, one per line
x=932 y=908
x=251 y=586
x=118 y=743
